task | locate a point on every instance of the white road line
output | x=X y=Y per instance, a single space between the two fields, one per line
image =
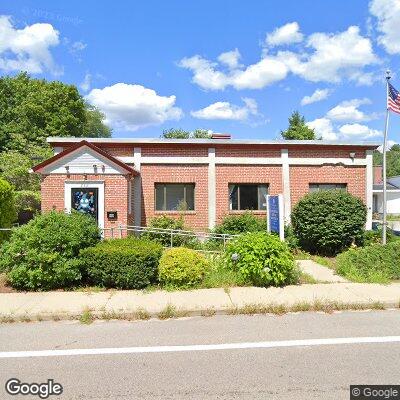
x=199 y=347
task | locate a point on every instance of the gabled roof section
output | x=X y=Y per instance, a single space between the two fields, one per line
x=80 y=145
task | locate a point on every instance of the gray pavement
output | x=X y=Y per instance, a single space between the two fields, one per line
x=300 y=372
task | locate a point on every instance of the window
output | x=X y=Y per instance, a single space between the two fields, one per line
x=321 y=187
x=174 y=196
x=245 y=196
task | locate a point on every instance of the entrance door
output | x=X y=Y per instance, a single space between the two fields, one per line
x=86 y=201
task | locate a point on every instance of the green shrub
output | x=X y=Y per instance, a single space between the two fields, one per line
x=165 y=222
x=27 y=204
x=375 y=236
x=181 y=267
x=7 y=208
x=375 y=263
x=127 y=263
x=242 y=223
x=291 y=239
x=262 y=259
x=41 y=254
x=329 y=222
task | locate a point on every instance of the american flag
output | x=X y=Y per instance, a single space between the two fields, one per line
x=393 y=100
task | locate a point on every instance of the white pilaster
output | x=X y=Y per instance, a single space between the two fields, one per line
x=137 y=188
x=212 y=190
x=286 y=184
x=369 y=187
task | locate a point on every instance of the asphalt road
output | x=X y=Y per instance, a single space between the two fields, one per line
x=298 y=370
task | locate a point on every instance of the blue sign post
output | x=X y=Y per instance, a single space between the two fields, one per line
x=275 y=215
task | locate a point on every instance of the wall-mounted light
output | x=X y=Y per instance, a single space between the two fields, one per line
x=67 y=168
x=95 y=169
x=352 y=155
x=103 y=168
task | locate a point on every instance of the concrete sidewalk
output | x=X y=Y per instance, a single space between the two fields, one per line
x=64 y=305
x=319 y=272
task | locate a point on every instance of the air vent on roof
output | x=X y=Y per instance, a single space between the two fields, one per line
x=220 y=136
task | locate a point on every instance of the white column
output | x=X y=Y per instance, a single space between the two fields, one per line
x=369 y=187
x=212 y=190
x=137 y=188
x=286 y=184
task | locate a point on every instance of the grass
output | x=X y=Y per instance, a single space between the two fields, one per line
x=86 y=317
x=171 y=311
x=307 y=279
x=322 y=306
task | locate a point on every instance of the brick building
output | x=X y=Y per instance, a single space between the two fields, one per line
x=129 y=181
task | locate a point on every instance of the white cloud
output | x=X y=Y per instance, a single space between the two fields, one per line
x=388 y=14
x=348 y=111
x=255 y=76
x=230 y=58
x=323 y=128
x=334 y=57
x=224 y=110
x=87 y=81
x=27 y=49
x=318 y=95
x=131 y=107
x=331 y=58
x=358 y=130
x=286 y=34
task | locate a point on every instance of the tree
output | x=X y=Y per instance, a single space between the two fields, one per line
x=298 y=130
x=33 y=109
x=177 y=133
x=392 y=160
x=7 y=207
x=94 y=126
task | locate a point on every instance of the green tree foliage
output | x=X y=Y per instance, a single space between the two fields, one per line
x=392 y=158
x=329 y=222
x=298 y=130
x=94 y=126
x=7 y=207
x=177 y=133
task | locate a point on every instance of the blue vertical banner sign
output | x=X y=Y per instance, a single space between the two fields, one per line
x=275 y=215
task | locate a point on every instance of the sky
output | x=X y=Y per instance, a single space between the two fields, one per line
x=227 y=66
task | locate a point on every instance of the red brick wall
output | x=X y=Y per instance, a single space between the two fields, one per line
x=198 y=174
x=302 y=176
x=225 y=174
x=378 y=174
x=115 y=193
x=324 y=152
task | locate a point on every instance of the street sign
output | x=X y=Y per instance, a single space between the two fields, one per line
x=275 y=215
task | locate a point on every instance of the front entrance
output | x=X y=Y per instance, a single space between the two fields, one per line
x=86 y=197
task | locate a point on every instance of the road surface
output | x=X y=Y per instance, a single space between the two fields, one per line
x=220 y=357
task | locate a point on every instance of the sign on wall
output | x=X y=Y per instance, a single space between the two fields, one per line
x=275 y=215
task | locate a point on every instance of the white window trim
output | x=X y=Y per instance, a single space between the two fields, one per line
x=85 y=184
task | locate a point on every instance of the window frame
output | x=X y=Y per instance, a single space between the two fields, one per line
x=258 y=185
x=164 y=205
x=318 y=189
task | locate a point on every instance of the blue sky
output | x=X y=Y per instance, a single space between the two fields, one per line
x=236 y=67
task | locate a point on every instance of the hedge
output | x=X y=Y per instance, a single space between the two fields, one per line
x=181 y=267
x=41 y=255
x=127 y=263
x=262 y=259
x=329 y=222
x=375 y=263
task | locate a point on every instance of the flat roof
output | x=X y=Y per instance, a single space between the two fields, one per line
x=211 y=141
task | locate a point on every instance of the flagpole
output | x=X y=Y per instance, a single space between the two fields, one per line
x=384 y=221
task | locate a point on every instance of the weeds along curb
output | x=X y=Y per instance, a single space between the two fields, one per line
x=87 y=316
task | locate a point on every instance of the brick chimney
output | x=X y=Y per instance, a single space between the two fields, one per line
x=378 y=174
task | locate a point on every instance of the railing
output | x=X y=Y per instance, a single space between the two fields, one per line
x=118 y=232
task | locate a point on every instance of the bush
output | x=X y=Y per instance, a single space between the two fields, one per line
x=41 y=255
x=375 y=263
x=7 y=208
x=242 y=223
x=262 y=259
x=329 y=222
x=127 y=263
x=165 y=222
x=181 y=267
x=375 y=237
x=27 y=204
